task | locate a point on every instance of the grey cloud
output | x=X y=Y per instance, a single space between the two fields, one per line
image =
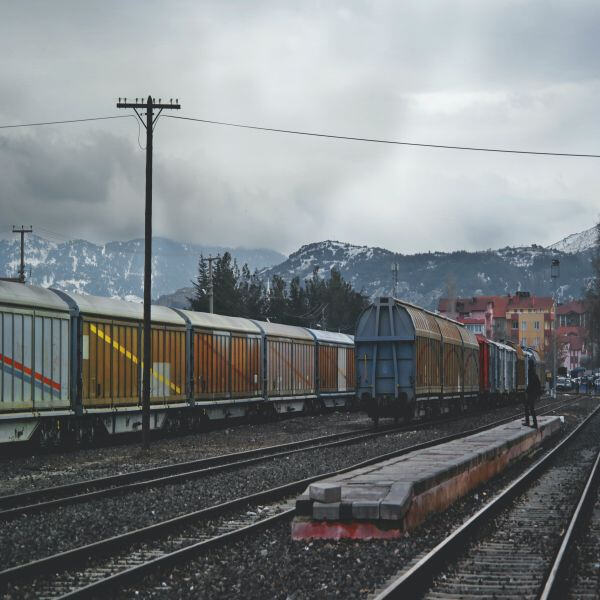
x=502 y=73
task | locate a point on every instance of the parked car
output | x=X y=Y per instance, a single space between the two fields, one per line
x=564 y=384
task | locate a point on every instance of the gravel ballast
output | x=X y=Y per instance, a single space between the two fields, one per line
x=271 y=565
x=20 y=474
x=34 y=536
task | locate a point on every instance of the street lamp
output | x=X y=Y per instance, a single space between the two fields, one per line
x=554 y=274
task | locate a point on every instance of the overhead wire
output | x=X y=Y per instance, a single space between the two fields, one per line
x=65 y=121
x=332 y=136
x=380 y=140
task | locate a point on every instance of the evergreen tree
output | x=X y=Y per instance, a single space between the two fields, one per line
x=297 y=304
x=278 y=302
x=252 y=295
x=321 y=303
x=199 y=301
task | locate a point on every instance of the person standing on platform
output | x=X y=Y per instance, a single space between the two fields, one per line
x=533 y=392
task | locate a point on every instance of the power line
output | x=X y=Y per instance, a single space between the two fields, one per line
x=66 y=121
x=382 y=141
x=350 y=138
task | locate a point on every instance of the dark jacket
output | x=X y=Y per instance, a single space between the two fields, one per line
x=534 y=387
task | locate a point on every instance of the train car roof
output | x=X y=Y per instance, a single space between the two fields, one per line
x=503 y=346
x=30 y=296
x=332 y=337
x=121 y=309
x=423 y=322
x=468 y=337
x=286 y=331
x=220 y=322
x=450 y=330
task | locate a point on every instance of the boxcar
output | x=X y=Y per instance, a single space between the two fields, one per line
x=289 y=366
x=109 y=369
x=485 y=366
x=34 y=359
x=410 y=361
x=335 y=367
x=225 y=371
x=521 y=371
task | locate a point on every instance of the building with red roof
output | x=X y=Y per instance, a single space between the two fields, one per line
x=572 y=325
x=522 y=318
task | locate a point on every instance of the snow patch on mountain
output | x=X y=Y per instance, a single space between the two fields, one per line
x=577 y=242
x=116 y=269
x=423 y=278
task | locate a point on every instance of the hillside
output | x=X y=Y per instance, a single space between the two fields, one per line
x=117 y=268
x=423 y=278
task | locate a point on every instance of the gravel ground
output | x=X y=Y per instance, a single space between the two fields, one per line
x=34 y=536
x=19 y=474
x=528 y=532
x=583 y=572
x=273 y=566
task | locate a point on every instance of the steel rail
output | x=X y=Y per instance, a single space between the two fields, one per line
x=17 y=504
x=74 y=556
x=413 y=581
x=16 y=500
x=556 y=577
x=133 y=573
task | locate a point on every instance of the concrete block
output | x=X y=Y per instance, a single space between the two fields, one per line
x=345 y=511
x=304 y=506
x=354 y=493
x=394 y=506
x=326 y=512
x=365 y=509
x=325 y=492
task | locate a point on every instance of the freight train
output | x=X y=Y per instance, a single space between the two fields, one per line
x=411 y=363
x=71 y=367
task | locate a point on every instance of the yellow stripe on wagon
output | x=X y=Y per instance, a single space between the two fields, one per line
x=132 y=357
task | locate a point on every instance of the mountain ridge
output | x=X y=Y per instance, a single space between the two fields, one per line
x=116 y=269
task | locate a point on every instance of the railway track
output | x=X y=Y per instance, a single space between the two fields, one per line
x=113 y=562
x=14 y=505
x=507 y=549
x=574 y=573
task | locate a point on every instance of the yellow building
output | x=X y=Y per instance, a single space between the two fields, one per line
x=531 y=320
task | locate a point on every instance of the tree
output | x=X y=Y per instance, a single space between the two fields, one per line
x=561 y=351
x=199 y=301
x=226 y=295
x=277 y=310
x=321 y=303
x=593 y=306
x=252 y=295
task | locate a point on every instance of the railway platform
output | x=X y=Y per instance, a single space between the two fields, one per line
x=385 y=500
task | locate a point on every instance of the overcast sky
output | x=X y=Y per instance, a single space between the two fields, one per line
x=519 y=74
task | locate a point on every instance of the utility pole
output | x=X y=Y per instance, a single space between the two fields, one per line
x=150 y=106
x=21 y=276
x=211 y=293
x=395 y=269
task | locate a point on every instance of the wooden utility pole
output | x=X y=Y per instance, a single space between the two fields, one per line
x=150 y=106
x=21 y=276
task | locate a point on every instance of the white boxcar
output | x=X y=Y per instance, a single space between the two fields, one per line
x=34 y=357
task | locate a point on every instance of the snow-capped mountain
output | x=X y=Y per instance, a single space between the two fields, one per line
x=423 y=278
x=116 y=269
x=577 y=242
